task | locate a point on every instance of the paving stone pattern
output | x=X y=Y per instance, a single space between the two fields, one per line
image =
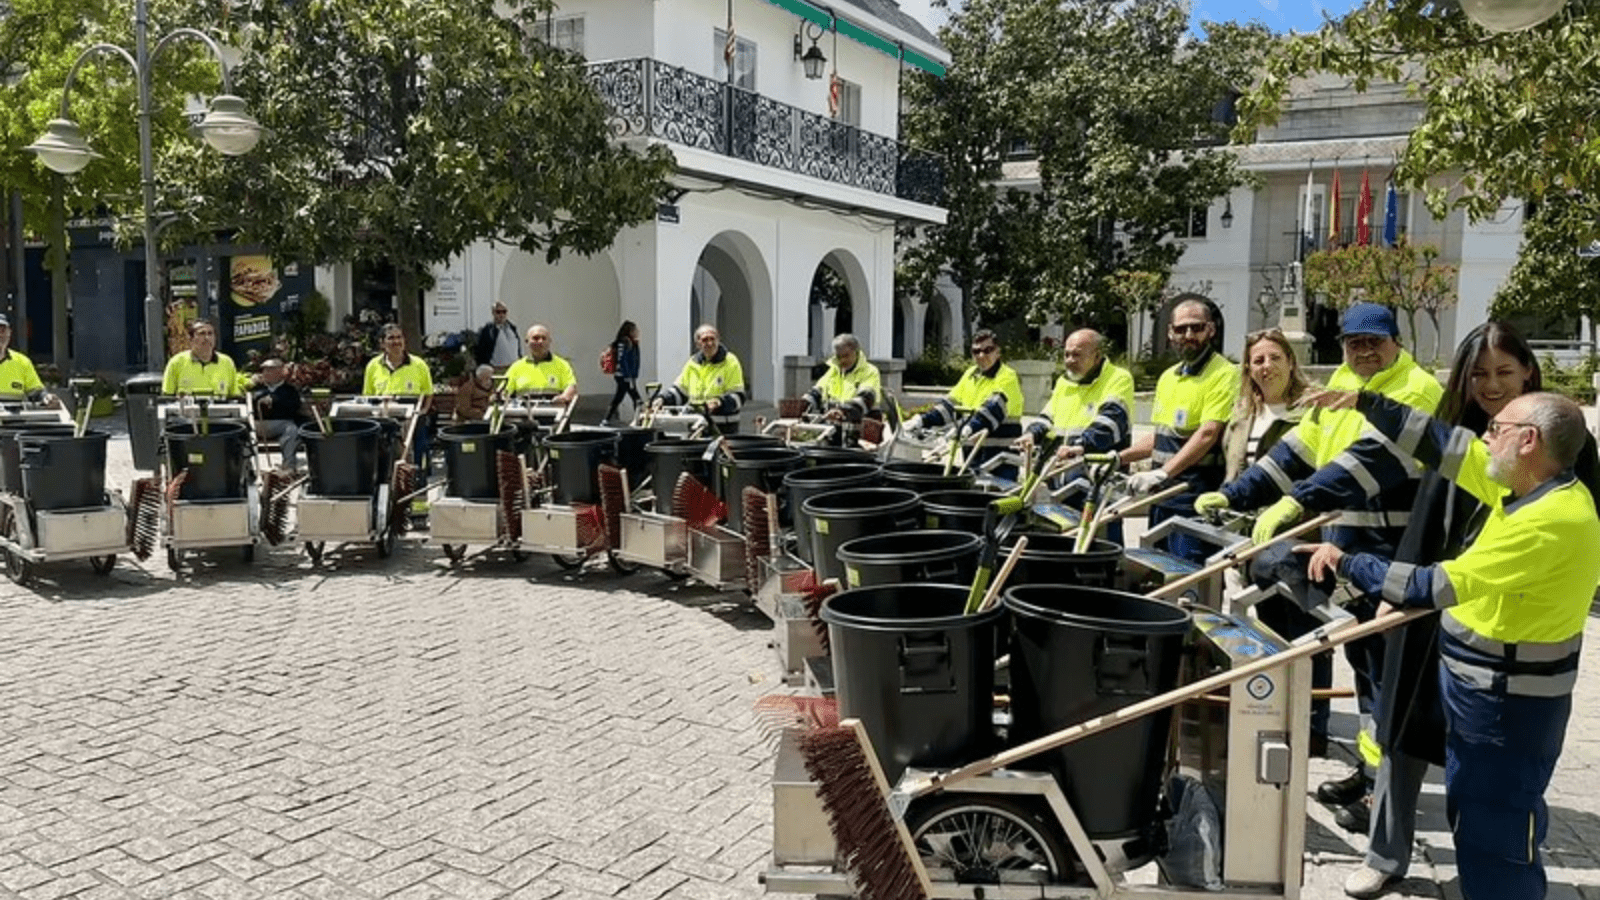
x=396 y=729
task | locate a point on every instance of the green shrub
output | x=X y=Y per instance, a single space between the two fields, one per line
x=935 y=367
x=1576 y=381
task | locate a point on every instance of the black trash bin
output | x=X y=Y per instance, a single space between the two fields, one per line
x=469 y=459
x=939 y=557
x=60 y=471
x=756 y=466
x=1050 y=559
x=957 y=510
x=818 y=455
x=841 y=516
x=343 y=461
x=670 y=458
x=805 y=483
x=631 y=453
x=11 y=454
x=1077 y=653
x=917 y=672
x=144 y=432
x=575 y=459
x=213 y=460
x=925 y=477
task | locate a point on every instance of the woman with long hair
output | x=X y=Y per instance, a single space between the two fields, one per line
x=1265 y=410
x=625 y=349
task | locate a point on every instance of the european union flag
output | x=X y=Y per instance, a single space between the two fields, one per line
x=1391 y=216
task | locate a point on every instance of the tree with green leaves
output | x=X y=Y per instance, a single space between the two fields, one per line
x=407 y=130
x=1407 y=276
x=1114 y=102
x=1550 y=280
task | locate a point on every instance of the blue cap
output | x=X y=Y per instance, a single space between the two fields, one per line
x=1368 y=318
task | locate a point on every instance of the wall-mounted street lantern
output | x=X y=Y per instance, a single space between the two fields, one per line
x=813 y=60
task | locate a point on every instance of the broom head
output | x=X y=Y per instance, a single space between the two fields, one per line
x=613 y=502
x=757 y=534
x=144 y=518
x=811 y=597
x=512 y=491
x=275 y=488
x=696 y=505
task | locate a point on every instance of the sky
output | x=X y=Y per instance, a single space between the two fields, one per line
x=1279 y=15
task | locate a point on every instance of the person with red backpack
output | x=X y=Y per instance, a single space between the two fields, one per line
x=624 y=368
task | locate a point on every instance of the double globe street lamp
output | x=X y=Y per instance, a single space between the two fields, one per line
x=227 y=126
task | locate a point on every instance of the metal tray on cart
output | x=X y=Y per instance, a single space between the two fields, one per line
x=653 y=539
x=716 y=557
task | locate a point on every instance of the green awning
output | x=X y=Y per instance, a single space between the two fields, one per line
x=821 y=16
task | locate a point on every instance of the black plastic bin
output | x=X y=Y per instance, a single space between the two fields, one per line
x=841 y=516
x=60 y=471
x=818 y=455
x=213 y=460
x=575 y=459
x=917 y=672
x=957 y=510
x=805 y=483
x=1077 y=653
x=343 y=461
x=631 y=454
x=469 y=459
x=144 y=432
x=939 y=557
x=671 y=457
x=1049 y=559
x=756 y=466
x=11 y=454
x=925 y=477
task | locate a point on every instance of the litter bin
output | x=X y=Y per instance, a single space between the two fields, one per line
x=143 y=432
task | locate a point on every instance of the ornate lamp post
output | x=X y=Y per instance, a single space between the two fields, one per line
x=228 y=127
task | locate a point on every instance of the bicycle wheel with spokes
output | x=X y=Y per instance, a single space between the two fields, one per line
x=988 y=839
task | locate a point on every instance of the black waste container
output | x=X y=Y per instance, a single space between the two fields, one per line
x=821 y=455
x=11 y=454
x=917 y=672
x=631 y=454
x=841 y=516
x=762 y=467
x=940 y=557
x=670 y=458
x=925 y=477
x=212 y=455
x=343 y=461
x=575 y=459
x=957 y=510
x=60 y=471
x=144 y=432
x=469 y=459
x=1050 y=559
x=804 y=483
x=1077 y=653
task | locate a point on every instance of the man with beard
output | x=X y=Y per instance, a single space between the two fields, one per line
x=1515 y=603
x=1193 y=402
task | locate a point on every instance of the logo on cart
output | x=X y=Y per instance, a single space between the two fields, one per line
x=1259 y=687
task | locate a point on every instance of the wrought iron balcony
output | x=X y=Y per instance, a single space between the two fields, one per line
x=649 y=98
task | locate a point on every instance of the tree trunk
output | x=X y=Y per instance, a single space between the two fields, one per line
x=408 y=306
x=1411 y=326
x=1438 y=337
x=60 y=352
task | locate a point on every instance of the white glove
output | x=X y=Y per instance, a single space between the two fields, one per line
x=963 y=433
x=1147 y=481
x=913 y=424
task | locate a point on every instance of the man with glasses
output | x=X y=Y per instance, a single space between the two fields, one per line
x=497 y=343
x=542 y=374
x=713 y=379
x=988 y=395
x=1514 y=607
x=1193 y=402
x=1320 y=466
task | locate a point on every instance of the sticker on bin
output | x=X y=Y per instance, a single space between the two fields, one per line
x=469 y=447
x=822 y=525
x=197 y=459
x=852 y=575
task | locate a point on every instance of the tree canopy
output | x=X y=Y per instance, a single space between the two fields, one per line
x=1115 y=104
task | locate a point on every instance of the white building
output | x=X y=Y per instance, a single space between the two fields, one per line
x=768 y=188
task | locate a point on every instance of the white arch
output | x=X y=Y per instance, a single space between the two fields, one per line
x=742 y=307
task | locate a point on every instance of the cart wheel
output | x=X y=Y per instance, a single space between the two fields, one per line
x=248 y=553
x=17 y=567
x=386 y=543
x=519 y=555
x=620 y=565
x=568 y=560
x=987 y=838
x=103 y=564
x=454 y=552
x=173 y=561
x=314 y=550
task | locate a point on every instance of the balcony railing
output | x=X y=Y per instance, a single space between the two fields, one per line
x=649 y=98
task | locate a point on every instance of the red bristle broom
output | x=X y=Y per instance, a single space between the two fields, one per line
x=144 y=519
x=590 y=523
x=695 y=504
x=613 y=482
x=757 y=535
x=275 y=491
x=511 y=480
x=780 y=711
x=811 y=598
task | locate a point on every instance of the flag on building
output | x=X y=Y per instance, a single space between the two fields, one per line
x=1333 y=212
x=1391 y=216
x=1364 y=212
x=835 y=88
x=1308 y=217
x=730 y=47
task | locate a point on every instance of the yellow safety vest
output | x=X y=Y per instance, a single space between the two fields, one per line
x=409 y=380
x=548 y=377
x=186 y=375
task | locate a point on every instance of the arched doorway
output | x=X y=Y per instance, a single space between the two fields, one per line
x=831 y=310
x=732 y=290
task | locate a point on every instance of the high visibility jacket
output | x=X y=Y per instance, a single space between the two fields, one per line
x=988 y=398
x=1093 y=413
x=411 y=379
x=861 y=387
x=1333 y=460
x=546 y=378
x=1189 y=395
x=18 y=378
x=719 y=377
x=186 y=375
x=1515 y=601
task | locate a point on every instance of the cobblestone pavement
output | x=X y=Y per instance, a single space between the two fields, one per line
x=395 y=729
